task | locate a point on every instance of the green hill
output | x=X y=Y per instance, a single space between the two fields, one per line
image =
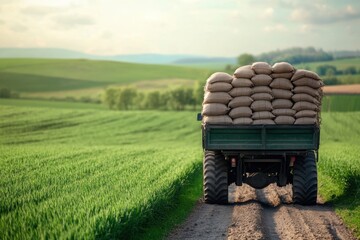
x=56 y=75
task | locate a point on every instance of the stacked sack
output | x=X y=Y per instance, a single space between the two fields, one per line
x=240 y=110
x=215 y=105
x=307 y=96
x=261 y=94
x=282 y=87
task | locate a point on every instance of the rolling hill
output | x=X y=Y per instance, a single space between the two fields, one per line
x=34 y=76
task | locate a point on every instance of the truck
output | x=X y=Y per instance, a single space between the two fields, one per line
x=259 y=155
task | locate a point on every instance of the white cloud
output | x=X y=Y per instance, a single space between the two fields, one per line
x=40 y=10
x=69 y=21
x=276 y=28
x=269 y=12
x=18 y=28
x=324 y=14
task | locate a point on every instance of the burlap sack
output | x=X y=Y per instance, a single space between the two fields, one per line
x=261 y=68
x=262 y=115
x=262 y=96
x=306 y=113
x=263 y=122
x=261 y=89
x=300 y=73
x=281 y=93
x=218 y=87
x=284 y=112
x=242 y=91
x=306 y=120
x=223 y=119
x=244 y=72
x=242 y=82
x=281 y=103
x=261 y=105
x=299 y=106
x=217 y=97
x=243 y=101
x=284 y=120
x=261 y=80
x=281 y=83
x=282 y=67
x=308 y=90
x=305 y=97
x=240 y=112
x=308 y=82
x=214 y=109
x=282 y=75
x=242 y=121
x=219 y=77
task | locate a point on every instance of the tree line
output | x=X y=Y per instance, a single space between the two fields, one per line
x=129 y=98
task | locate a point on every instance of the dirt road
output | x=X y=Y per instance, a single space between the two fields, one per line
x=261 y=214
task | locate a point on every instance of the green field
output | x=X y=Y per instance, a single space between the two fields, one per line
x=340 y=103
x=89 y=173
x=46 y=77
x=340 y=64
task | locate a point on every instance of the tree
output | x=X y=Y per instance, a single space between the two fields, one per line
x=350 y=70
x=109 y=97
x=153 y=100
x=178 y=98
x=245 y=59
x=125 y=98
x=198 y=92
x=5 y=93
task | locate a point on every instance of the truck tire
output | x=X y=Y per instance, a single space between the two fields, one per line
x=305 y=180
x=215 y=178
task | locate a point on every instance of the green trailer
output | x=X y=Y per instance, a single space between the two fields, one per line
x=259 y=155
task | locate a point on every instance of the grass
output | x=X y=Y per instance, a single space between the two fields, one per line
x=91 y=174
x=340 y=103
x=50 y=104
x=85 y=173
x=340 y=64
x=339 y=165
x=82 y=73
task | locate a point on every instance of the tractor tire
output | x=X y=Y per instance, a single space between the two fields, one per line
x=305 y=180
x=215 y=180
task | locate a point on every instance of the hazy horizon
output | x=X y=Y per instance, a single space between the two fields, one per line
x=191 y=27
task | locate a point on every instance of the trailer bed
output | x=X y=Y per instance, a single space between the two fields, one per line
x=260 y=137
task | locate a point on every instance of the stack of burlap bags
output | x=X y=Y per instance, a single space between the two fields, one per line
x=263 y=94
x=216 y=99
x=281 y=88
x=307 y=96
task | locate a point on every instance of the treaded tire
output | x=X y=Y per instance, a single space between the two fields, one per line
x=215 y=178
x=305 y=180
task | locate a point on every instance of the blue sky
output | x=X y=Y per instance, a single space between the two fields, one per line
x=199 y=27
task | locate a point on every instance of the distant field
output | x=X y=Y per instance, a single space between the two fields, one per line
x=49 y=75
x=341 y=103
x=340 y=64
x=50 y=104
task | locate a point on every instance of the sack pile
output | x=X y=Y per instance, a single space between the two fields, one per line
x=263 y=94
x=307 y=96
x=282 y=87
x=216 y=99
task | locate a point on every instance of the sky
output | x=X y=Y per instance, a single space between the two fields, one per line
x=196 y=27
